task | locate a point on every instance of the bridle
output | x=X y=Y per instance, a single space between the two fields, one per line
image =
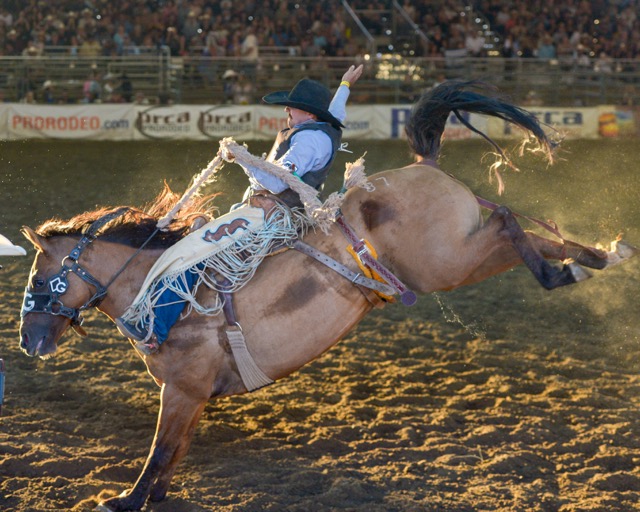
x=50 y=302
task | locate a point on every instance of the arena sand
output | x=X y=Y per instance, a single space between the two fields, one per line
x=497 y=397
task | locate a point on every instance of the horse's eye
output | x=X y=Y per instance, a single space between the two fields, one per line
x=38 y=283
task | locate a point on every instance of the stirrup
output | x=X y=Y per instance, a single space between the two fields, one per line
x=149 y=347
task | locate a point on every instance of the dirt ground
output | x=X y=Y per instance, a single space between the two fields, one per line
x=497 y=397
x=528 y=409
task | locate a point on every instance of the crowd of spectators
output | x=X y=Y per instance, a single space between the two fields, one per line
x=542 y=29
x=587 y=33
x=213 y=28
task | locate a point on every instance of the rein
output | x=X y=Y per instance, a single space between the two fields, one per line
x=58 y=284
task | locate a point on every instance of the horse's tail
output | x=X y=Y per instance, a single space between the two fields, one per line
x=429 y=115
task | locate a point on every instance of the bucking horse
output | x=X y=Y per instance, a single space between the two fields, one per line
x=427 y=228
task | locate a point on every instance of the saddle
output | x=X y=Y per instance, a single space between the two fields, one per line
x=375 y=282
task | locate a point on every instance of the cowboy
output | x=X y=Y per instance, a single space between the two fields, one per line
x=307 y=148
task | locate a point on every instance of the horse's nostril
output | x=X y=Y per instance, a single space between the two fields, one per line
x=24 y=341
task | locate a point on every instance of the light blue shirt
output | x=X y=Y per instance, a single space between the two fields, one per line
x=310 y=150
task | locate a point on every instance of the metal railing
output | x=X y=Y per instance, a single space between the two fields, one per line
x=387 y=78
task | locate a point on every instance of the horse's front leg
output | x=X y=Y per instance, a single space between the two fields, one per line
x=161 y=485
x=179 y=413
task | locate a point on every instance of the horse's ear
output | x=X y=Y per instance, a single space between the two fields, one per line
x=37 y=241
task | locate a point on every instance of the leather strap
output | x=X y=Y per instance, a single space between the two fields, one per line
x=407 y=297
x=338 y=267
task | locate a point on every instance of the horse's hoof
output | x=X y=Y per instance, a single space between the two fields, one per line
x=624 y=250
x=579 y=273
x=620 y=252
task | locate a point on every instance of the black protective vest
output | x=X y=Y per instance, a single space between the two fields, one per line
x=315 y=179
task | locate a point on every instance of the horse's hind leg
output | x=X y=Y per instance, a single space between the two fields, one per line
x=510 y=245
x=587 y=256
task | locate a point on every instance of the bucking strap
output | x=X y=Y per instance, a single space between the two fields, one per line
x=407 y=297
x=338 y=267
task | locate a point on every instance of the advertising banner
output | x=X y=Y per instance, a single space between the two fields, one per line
x=617 y=121
x=570 y=123
x=4 y=112
x=263 y=122
x=391 y=121
x=90 y=122
x=193 y=122
x=167 y=122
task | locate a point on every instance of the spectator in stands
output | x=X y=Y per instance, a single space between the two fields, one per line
x=120 y=39
x=546 y=48
x=47 y=92
x=140 y=99
x=603 y=64
x=29 y=98
x=308 y=49
x=173 y=41
x=87 y=22
x=229 y=80
x=91 y=89
x=582 y=59
x=249 y=46
x=6 y=18
x=191 y=27
x=126 y=88
x=523 y=26
x=216 y=41
x=243 y=90
x=474 y=43
x=89 y=46
x=532 y=99
x=564 y=52
x=110 y=94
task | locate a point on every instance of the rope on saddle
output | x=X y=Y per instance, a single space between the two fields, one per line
x=320 y=214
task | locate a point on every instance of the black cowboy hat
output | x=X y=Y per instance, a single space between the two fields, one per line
x=307 y=95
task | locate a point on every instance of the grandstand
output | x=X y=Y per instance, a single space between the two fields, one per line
x=568 y=53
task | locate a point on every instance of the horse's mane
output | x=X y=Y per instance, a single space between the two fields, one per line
x=137 y=224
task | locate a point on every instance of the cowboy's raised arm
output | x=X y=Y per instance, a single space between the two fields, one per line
x=338 y=106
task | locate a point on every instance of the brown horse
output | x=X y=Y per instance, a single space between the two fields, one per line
x=426 y=227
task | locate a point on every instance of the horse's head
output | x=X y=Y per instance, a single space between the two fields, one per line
x=65 y=280
x=55 y=296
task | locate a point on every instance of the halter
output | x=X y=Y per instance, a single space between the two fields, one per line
x=58 y=284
